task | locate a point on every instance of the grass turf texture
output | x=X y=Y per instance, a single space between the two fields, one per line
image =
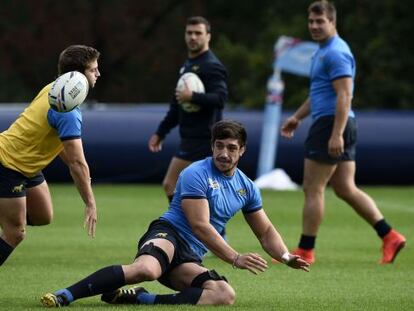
x=346 y=275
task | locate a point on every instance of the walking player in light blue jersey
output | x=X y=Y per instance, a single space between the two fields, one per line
x=208 y=194
x=330 y=145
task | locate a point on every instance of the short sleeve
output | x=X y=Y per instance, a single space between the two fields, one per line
x=339 y=64
x=255 y=200
x=193 y=183
x=67 y=124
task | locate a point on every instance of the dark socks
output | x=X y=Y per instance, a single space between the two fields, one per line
x=5 y=251
x=102 y=281
x=307 y=242
x=188 y=296
x=382 y=228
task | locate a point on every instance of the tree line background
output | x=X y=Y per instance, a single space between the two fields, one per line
x=142 y=46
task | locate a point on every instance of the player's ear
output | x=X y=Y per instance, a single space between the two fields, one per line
x=242 y=150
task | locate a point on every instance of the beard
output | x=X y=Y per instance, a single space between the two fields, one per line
x=194 y=48
x=225 y=167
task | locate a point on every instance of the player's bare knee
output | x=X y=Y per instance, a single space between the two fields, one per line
x=306 y=189
x=311 y=191
x=45 y=220
x=224 y=294
x=42 y=217
x=140 y=273
x=15 y=235
x=151 y=262
x=39 y=221
x=148 y=273
x=343 y=192
x=227 y=293
x=137 y=273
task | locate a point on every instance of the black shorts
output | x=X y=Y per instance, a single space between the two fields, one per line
x=194 y=149
x=14 y=184
x=182 y=254
x=316 y=145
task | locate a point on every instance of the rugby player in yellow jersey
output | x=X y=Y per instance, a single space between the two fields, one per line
x=37 y=136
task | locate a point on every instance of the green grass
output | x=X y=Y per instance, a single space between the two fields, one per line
x=346 y=275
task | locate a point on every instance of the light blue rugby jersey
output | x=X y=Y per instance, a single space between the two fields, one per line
x=333 y=60
x=226 y=196
x=67 y=124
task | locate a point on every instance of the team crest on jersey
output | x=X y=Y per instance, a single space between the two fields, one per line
x=190 y=107
x=242 y=192
x=195 y=68
x=213 y=183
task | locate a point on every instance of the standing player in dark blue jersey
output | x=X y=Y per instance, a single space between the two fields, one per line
x=330 y=145
x=194 y=113
x=209 y=193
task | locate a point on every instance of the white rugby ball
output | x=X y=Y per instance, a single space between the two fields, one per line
x=192 y=81
x=68 y=91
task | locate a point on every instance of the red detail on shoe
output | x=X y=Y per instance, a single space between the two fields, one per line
x=392 y=243
x=305 y=254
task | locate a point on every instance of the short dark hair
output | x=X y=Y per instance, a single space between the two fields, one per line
x=225 y=129
x=321 y=7
x=196 y=20
x=76 y=58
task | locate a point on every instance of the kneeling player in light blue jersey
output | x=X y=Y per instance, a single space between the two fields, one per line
x=208 y=194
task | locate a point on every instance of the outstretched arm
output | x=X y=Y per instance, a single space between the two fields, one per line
x=74 y=158
x=271 y=240
x=198 y=215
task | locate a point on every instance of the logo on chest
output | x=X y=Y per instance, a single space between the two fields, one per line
x=242 y=192
x=213 y=184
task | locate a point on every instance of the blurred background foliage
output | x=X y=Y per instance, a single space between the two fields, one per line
x=142 y=46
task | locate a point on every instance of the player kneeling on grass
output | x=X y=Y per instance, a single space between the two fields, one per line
x=208 y=194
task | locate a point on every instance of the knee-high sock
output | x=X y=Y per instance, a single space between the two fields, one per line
x=102 y=281
x=5 y=251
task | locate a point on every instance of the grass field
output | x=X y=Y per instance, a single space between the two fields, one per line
x=346 y=275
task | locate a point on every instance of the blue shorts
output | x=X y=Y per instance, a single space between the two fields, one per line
x=14 y=184
x=182 y=254
x=316 y=145
x=194 y=149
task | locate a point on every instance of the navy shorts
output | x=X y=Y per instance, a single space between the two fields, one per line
x=14 y=184
x=316 y=145
x=161 y=229
x=194 y=149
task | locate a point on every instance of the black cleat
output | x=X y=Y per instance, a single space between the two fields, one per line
x=123 y=296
